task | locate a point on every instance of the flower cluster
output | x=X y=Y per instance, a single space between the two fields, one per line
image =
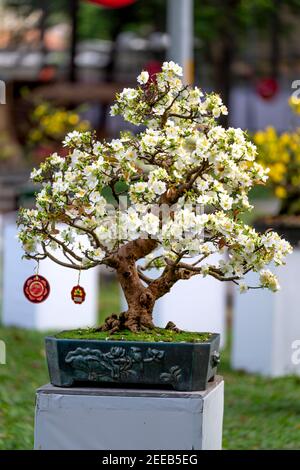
x=182 y=182
x=269 y=280
x=52 y=124
x=294 y=103
x=281 y=154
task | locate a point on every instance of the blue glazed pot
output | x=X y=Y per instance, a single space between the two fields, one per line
x=181 y=366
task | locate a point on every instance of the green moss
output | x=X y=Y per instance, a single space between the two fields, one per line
x=158 y=334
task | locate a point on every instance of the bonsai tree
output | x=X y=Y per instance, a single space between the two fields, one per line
x=179 y=188
x=281 y=154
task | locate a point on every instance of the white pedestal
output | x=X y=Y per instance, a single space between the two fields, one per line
x=58 y=311
x=198 y=304
x=128 y=419
x=266 y=324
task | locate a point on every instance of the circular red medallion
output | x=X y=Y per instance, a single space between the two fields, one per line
x=78 y=294
x=36 y=288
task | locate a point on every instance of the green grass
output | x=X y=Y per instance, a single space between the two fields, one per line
x=23 y=373
x=158 y=334
x=259 y=413
x=110 y=300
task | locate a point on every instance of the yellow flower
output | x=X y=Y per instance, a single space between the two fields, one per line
x=73 y=119
x=285 y=157
x=54 y=123
x=280 y=192
x=83 y=126
x=295 y=104
x=277 y=171
x=295 y=180
x=281 y=153
x=271 y=133
x=40 y=110
x=35 y=135
x=259 y=138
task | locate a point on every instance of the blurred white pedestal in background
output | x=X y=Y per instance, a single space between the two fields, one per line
x=58 y=311
x=129 y=419
x=266 y=324
x=198 y=304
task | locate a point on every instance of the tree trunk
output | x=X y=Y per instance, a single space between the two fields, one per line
x=140 y=301
x=139 y=298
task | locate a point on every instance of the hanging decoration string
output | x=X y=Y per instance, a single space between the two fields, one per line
x=37 y=269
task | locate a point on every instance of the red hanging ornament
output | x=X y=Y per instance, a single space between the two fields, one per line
x=78 y=294
x=36 y=288
x=153 y=67
x=267 y=88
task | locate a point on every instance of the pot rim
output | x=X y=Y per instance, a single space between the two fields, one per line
x=150 y=343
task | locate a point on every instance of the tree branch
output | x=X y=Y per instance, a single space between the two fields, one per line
x=89 y=232
x=64 y=247
x=143 y=276
x=66 y=265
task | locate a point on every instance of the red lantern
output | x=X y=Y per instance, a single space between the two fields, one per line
x=36 y=289
x=267 y=88
x=78 y=294
x=153 y=67
x=112 y=3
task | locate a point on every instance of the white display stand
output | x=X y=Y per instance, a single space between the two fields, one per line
x=197 y=304
x=128 y=419
x=266 y=325
x=58 y=311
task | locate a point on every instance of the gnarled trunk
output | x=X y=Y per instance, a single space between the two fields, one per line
x=139 y=299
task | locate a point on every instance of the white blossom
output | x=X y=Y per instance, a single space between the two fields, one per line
x=243 y=287
x=268 y=280
x=143 y=78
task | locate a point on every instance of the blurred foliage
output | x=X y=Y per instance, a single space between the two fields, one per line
x=212 y=17
x=142 y=17
x=94 y=22
x=224 y=28
x=281 y=154
x=7 y=149
x=99 y=22
x=53 y=6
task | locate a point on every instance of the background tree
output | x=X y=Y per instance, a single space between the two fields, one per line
x=222 y=26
